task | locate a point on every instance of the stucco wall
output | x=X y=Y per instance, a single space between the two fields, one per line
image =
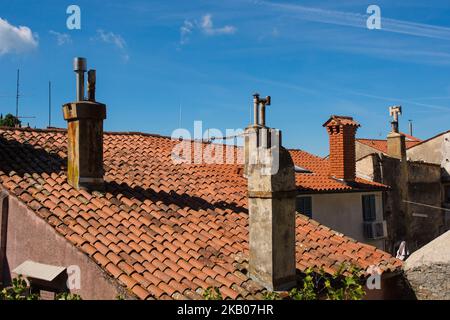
x=363 y=150
x=429 y=151
x=31 y=238
x=343 y=212
x=445 y=163
x=366 y=169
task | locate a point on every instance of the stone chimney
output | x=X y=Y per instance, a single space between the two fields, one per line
x=85 y=134
x=271 y=203
x=396 y=144
x=342 y=131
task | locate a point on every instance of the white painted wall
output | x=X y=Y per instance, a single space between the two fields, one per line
x=431 y=151
x=342 y=212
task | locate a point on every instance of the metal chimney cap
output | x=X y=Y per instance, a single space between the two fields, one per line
x=79 y=64
x=256 y=94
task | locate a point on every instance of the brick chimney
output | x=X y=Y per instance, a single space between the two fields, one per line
x=342 y=159
x=271 y=203
x=85 y=134
x=396 y=144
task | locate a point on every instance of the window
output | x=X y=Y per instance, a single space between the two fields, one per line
x=369 y=208
x=447 y=194
x=304 y=206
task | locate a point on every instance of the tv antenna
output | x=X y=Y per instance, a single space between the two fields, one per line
x=49 y=104
x=17 y=94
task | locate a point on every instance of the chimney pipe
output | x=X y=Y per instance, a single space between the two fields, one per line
x=256 y=109
x=91 y=85
x=410 y=128
x=79 y=66
x=396 y=144
x=395 y=111
x=85 y=134
x=259 y=106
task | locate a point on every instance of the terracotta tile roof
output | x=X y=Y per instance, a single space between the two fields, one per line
x=163 y=231
x=381 y=145
x=319 y=180
x=341 y=120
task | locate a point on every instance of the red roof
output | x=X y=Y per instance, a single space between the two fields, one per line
x=341 y=121
x=381 y=145
x=320 y=181
x=162 y=230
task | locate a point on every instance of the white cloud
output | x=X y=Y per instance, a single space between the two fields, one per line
x=115 y=39
x=16 y=39
x=207 y=26
x=185 y=31
x=61 y=38
x=359 y=20
x=110 y=37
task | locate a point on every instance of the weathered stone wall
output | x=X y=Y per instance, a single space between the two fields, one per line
x=428 y=269
x=415 y=182
x=424 y=189
x=430 y=282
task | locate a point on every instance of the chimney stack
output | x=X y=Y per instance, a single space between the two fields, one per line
x=85 y=133
x=342 y=131
x=396 y=145
x=271 y=204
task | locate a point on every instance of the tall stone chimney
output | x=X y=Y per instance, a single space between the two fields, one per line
x=396 y=144
x=85 y=134
x=342 y=131
x=271 y=203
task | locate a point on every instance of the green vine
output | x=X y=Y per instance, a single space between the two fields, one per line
x=212 y=293
x=345 y=284
x=67 y=296
x=20 y=290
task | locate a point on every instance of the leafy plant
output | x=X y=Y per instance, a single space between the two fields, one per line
x=18 y=291
x=212 y=293
x=307 y=290
x=344 y=284
x=68 y=296
x=271 y=295
x=9 y=121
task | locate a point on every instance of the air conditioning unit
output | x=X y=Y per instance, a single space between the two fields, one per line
x=375 y=230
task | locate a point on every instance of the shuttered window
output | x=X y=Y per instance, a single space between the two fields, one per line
x=304 y=206
x=369 y=208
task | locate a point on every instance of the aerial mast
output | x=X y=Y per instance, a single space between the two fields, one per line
x=17 y=94
x=49 y=104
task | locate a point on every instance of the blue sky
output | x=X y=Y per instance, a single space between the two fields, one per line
x=315 y=58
